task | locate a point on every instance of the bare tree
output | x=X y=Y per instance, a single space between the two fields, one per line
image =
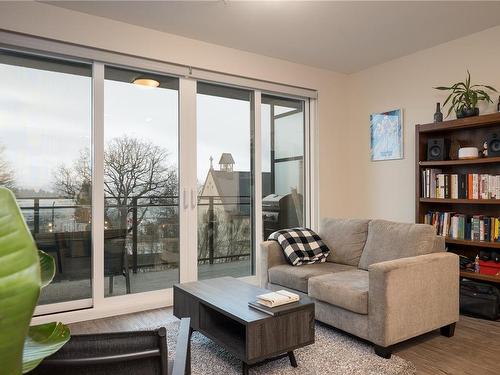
x=133 y=169
x=6 y=173
x=69 y=181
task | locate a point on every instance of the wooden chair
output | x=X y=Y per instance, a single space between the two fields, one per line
x=121 y=353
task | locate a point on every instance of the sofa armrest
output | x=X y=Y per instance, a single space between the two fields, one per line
x=271 y=255
x=410 y=296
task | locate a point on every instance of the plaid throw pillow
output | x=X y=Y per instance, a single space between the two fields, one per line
x=301 y=246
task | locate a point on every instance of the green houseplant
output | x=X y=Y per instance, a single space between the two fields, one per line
x=464 y=97
x=23 y=272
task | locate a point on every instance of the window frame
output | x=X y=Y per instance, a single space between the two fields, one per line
x=98 y=306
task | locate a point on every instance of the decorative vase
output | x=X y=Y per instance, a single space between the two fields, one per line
x=438 y=116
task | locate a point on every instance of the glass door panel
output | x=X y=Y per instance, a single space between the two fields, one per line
x=224 y=142
x=141 y=204
x=45 y=138
x=282 y=148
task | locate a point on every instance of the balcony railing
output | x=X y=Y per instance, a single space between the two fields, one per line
x=224 y=224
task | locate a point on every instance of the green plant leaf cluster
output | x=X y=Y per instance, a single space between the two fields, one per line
x=42 y=341
x=465 y=96
x=23 y=271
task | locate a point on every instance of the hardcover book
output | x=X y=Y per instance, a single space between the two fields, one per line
x=274 y=311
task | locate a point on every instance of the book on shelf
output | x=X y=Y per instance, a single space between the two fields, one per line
x=464 y=227
x=436 y=184
x=429 y=182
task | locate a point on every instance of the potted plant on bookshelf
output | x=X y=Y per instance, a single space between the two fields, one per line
x=24 y=270
x=465 y=97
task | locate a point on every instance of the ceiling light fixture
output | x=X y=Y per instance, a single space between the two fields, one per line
x=146 y=82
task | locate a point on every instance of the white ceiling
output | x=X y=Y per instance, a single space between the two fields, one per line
x=341 y=36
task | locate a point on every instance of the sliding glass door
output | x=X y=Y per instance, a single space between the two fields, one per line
x=134 y=180
x=45 y=138
x=225 y=177
x=141 y=205
x=283 y=143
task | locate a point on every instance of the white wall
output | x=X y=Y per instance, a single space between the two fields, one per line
x=386 y=189
x=79 y=28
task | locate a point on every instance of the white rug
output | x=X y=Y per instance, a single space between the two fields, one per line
x=332 y=353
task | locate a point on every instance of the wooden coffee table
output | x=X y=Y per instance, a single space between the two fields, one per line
x=219 y=309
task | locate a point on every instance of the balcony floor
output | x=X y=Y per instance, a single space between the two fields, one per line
x=67 y=290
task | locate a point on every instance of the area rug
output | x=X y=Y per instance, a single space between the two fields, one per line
x=332 y=353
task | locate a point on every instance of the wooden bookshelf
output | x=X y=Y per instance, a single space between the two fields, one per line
x=437 y=164
x=479 y=276
x=472 y=132
x=486 y=244
x=460 y=201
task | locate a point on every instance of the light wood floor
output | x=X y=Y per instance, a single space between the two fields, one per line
x=474 y=350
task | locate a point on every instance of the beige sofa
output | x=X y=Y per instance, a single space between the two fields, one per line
x=383 y=281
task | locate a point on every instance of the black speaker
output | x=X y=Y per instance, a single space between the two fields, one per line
x=438 y=148
x=493 y=142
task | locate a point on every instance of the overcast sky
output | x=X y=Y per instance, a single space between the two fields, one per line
x=45 y=120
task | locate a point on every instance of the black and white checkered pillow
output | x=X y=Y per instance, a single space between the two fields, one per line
x=301 y=246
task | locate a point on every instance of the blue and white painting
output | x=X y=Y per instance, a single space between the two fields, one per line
x=386 y=135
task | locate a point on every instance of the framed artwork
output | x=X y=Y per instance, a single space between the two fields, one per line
x=386 y=135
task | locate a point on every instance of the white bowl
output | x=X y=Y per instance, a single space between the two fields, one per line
x=468 y=153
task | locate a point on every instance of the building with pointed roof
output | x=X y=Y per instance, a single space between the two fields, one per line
x=231 y=190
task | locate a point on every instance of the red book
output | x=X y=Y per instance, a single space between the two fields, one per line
x=470 y=186
x=489 y=267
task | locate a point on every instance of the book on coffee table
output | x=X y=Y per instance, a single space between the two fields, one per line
x=275 y=303
x=275 y=311
x=274 y=299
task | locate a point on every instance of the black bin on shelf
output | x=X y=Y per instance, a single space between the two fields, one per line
x=279 y=212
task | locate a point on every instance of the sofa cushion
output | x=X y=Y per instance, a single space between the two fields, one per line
x=348 y=289
x=297 y=277
x=345 y=238
x=388 y=240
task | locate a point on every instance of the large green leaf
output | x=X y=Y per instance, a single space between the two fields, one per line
x=42 y=341
x=23 y=270
x=19 y=282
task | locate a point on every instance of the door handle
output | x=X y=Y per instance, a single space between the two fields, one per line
x=193 y=202
x=184 y=199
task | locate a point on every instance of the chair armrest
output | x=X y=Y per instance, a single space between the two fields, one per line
x=182 y=361
x=410 y=296
x=271 y=255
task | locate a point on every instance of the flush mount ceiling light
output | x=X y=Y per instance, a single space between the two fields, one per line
x=146 y=82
